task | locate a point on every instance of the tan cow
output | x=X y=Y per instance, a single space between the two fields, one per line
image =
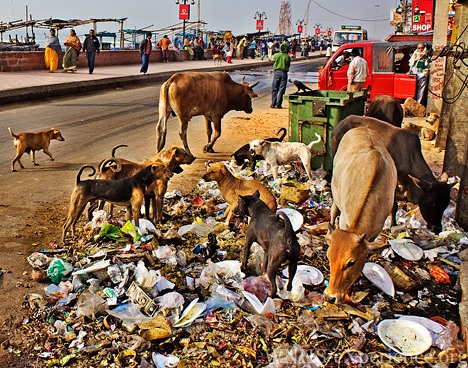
x=211 y=94
x=363 y=188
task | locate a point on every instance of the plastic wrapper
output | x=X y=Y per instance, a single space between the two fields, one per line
x=257 y=285
x=448 y=338
x=129 y=313
x=228 y=272
x=38 y=260
x=166 y=254
x=129 y=229
x=58 y=269
x=90 y=305
x=99 y=218
x=146 y=278
x=215 y=303
x=170 y=300
x=261 y=322
x=295 y=356
x=165 y=361
x=439 y=274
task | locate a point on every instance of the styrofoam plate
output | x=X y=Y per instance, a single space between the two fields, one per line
x=406 y=249
x=294 y=216
x=309 y=275
x=379 y=277
x=191 y=313
x=406 y=337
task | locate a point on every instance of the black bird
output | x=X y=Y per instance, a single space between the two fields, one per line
x=300 y=86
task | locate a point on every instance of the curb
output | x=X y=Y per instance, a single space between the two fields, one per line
x=62 y=89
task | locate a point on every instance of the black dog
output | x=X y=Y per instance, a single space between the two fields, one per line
x=244 y=153
x=274 y=233
x=300 y=86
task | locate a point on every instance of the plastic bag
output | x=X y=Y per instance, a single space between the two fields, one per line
x=58 y=269
x=257 y=285
x=448 y=338
x=38 y=260
x=129 y=229
x=170 y=300
x=129 y=313
x=112 y=232
x=146 y=278
x=89 y=305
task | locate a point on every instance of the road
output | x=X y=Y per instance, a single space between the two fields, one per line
x=34 y=201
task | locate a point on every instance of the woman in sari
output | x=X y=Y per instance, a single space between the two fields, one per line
x=52 y=52
x=72 y=51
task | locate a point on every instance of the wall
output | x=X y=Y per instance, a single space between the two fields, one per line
x=14 y=61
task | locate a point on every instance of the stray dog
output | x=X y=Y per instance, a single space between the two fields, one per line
x=217 y=59
x=231 y=188
x=428 y=134
x=244 y=153
x=280 y=153
x=274 y=233
x=129 y=192
x=32 y=142
x=172 y=158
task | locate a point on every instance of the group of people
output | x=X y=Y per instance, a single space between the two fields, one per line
x=73 y=47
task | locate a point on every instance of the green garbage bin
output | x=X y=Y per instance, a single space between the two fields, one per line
x=318 y=112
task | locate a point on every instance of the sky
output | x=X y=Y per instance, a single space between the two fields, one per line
x=237 y=16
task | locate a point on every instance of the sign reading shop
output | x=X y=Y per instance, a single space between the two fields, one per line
x=422 y=15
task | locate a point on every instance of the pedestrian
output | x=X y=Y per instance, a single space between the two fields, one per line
x=270 y=45
x=228 y=52
x=253 y=48
x=357 y=71
x=281 y=64
x=418 y=65
x=240 y=48
x=52 y=52
x=163 y=44
x=329 y=52
x=263 y=49
x=91 y=47
x=145 y=51
x=73 y=47
x=189 y=49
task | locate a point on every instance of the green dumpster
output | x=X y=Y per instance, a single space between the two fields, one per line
x=318 y=112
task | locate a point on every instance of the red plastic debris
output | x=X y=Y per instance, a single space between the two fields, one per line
x=439 y=274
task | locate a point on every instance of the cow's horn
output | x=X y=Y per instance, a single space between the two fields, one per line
x=253 y=85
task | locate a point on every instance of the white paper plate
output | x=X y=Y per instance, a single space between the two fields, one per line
x=309 y=275
x=146 y=226
x=379 y=277
x=406 y=337
x=261 y=308
x=431 y=325
x=191 y=313
x=294 y=216
x=406 y=249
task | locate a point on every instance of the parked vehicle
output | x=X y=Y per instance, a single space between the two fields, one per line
x=387 y=69
x=348 y=34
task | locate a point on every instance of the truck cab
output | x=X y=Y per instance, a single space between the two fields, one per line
x=388 y=67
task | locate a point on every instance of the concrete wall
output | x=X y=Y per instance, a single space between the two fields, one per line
x=14 y=61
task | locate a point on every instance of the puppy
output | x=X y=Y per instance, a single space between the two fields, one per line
x=280 y=153
x=274 y=233
x=172 y=158
x=217 y=59
x=33 y=141
x=429 y=133
x=243 y=153
x=231 y=188
x=129 y=192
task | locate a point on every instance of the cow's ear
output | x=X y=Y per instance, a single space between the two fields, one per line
x=444 y=177
x=262 y=143
x=376 y=245
x=361 y=238
x=421 y=184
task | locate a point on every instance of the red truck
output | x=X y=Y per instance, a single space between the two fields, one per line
x=388 y=67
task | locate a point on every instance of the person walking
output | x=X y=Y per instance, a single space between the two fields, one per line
x=281 y=64
x=253 y=48
x=418 y=65
x=91 y=47
x=228 y=49
x=240 y=48
x=145 y=51
x=163 y=44
x=52 y=52
x=357 y=71
x=73 y=47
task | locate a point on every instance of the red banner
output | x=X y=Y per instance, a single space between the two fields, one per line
x=317 y=31
x=299 y=29
x=422 y=15
x=329 y=33
x=184 y=11
x=259 y=24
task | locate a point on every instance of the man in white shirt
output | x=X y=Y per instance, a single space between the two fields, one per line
x=357 y=72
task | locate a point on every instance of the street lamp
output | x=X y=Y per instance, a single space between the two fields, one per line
x=317 y=28
x=184 y=13
x=299 y=27
x=260 y=17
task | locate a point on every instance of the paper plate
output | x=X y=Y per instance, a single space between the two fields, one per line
x=191 y=313
x=146 y=226
x=431 y=325
x=406 y=337
x=406 y=249
x=309 y=275
x=294 y=216
x=379 y=277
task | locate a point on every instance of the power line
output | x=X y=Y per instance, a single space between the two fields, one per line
x=349 y=18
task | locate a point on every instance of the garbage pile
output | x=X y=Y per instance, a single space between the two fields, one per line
x=174 y=295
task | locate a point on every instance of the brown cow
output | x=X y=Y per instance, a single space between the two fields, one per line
x=191 y=94
x=386 y=108
x=432 y=196
x=363 y=189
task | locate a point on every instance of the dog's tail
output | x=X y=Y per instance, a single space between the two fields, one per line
x=283 y=132
x=106 y=165
x=80 y=171
x=13 y=134
x=319 y=138
x=116 y=148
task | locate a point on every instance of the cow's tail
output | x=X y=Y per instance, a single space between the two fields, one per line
x=309 y=146
x=164 y=106
x=78 y=176
x=13 y=134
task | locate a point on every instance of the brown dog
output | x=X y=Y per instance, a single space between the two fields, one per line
x=30 y=142
x=429 y=133
x=172 y=158
x=231 y=188
x=129 y=192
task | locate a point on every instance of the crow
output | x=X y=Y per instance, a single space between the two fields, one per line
x=300 y=86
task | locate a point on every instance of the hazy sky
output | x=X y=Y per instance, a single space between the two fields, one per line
x=237 y=15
